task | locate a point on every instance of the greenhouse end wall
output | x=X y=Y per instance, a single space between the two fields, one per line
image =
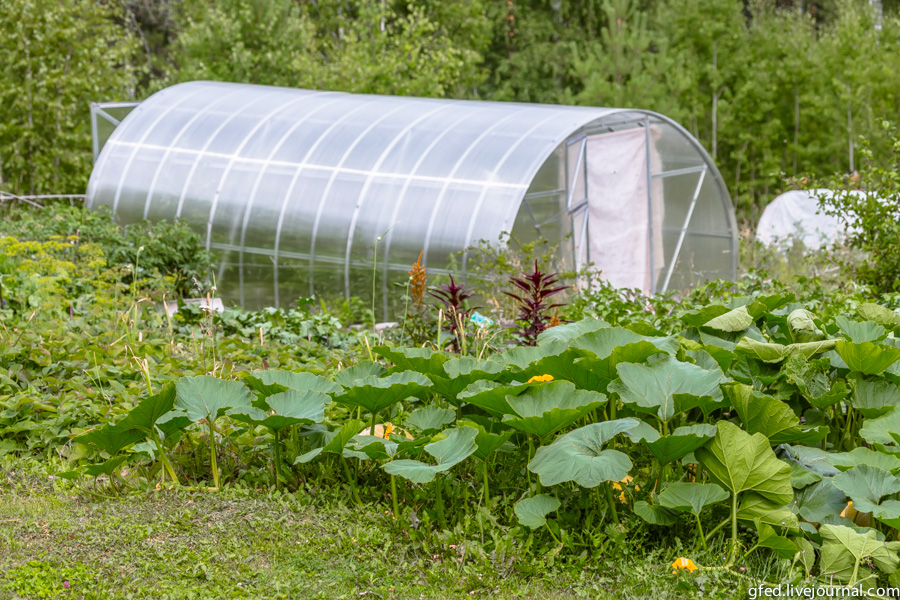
x=315 y=193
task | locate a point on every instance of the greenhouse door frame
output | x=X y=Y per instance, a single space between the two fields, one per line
x=577 y=208
x=100 y=110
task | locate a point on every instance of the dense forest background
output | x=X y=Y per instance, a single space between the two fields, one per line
x=774 y=89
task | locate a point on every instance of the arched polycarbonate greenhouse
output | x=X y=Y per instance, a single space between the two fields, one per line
x=295 y=190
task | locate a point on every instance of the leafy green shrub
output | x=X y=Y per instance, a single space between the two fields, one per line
x=870 y=212
x=138 y=253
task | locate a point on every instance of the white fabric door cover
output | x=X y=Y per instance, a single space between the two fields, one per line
x=620 y=219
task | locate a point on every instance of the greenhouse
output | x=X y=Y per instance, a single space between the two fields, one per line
x=302 y=192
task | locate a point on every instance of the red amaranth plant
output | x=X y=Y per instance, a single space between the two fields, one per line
x=453 y=296
x=534 y=312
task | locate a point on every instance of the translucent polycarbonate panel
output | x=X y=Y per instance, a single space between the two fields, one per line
x=676 y=149
x=169 y=175
x=263 y=206
x=195 y=201
x=678 y=191
x=293 y=281
x=230 y=201
x=371 y=219
x=702 y=258
x=331 y=226
x=388 y=126
x=107 y=175
x=551 y=175
x=134 y=185
x=409 y=218
x=297 y=208
x=709 y=215
x=294 y=187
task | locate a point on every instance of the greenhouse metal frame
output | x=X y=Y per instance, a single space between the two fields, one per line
x=304 y=192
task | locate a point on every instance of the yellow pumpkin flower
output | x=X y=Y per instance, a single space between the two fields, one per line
x=684 y=563
x=541 y=378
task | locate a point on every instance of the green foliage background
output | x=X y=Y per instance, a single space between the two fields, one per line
x=771 y=88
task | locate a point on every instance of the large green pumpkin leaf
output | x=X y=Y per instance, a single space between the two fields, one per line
x=668 y=387
x=802 y=476
x=452 y=450
x=422 y=360
x=775 y=353
x=532 y=512
x=459 y=373
x=545 y=409
x=430 y=418
x=691 y=497
x=780 y=545
x=137 y=424
x=522 y=357
x=288 y=408
x=866 y=456
x=813 y=382
x=568 y=366
x=772 y=418
x=741 y=462
x=868 y=358
x=492 y=396
x=654 y=513
x=336 y=441
x=757 y=509
x=883 y=430
x=349 y=376
x=603 y=342
x=802 y=326
x=843 y=549
x=681 y=442
x=205 y=397
x=111 y=438
x=298 y=381
x=815 y=459
x=487 y=443
x=816 y=503
x=579 y=456
x=866 y=486
x=569 y=331
x=376 y=394
x=879 y=314
x=867 y=331
x=737 y=319
x=874 y=398
x=145 y=415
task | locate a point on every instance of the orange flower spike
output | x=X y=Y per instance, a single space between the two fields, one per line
x=684 y=563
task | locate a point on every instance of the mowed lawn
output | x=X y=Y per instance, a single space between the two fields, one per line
x=60 y=540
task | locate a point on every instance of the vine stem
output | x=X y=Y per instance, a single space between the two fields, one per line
x=700 y=529
x=212 y=453
x=276 y=456
x=439 y=502
x=487 y=490
x=611 y=502
x=351 y=480
x=734 y=529
x=394 y=498
x=165 y=460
